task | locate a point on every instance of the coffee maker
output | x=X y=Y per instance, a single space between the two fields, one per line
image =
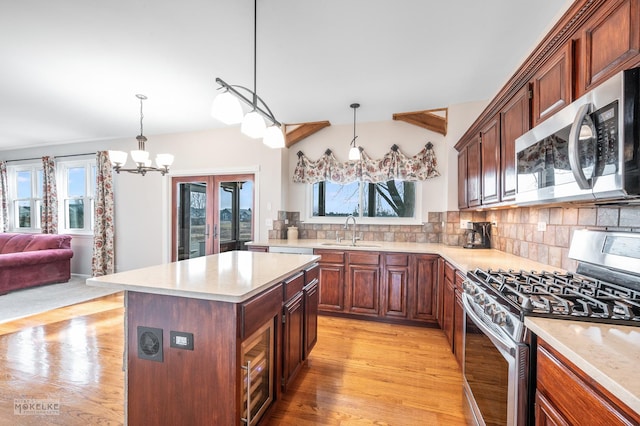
x=478 y=235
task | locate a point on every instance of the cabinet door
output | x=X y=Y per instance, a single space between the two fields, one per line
x=364 y=286
x=515 y=120
x=546 y=414
x=311 y=297
x=395 y=286
x=552 y=85
x=424 y=300
x=462 y=179
x=448 y=301
x=490 y=162
x=611 y=42
x=293 y=341
x=458 y=320
x=474 y=190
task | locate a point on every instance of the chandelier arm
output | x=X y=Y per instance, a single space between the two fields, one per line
x=232 y=88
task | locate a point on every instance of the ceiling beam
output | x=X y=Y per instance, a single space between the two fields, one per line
x=294 y=133
x=426 y=119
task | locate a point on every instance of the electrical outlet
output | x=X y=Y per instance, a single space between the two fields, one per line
x=465 y=224
x=542 y=226
x=181 y=340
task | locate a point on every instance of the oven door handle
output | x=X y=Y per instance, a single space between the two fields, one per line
x=500 y=341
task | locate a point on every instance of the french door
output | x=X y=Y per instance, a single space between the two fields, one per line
x=211 y=214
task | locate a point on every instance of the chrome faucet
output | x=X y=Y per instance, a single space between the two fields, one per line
x=346 y=224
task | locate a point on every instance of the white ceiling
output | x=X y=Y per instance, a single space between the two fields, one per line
x=69 y=69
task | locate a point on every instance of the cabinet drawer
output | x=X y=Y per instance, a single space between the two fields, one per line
x=293 y=285
x=311 y=273
x=258 y=310
x=331 y=256
x=396 y=259
x=363 y=258
x=449 y=271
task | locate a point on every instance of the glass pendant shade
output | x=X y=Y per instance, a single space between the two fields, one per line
x=118 y=157
x=253 y=125
x=139 y=156
x=354 y=153
x=164 y=160
x=273 y=137
x=227 y=109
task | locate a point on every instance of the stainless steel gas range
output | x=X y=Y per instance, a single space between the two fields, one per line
x=499 y=364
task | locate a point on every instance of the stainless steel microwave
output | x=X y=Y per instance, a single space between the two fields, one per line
x=588 y=151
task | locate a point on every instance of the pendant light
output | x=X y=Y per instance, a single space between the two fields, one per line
x=227 y=108
x=141 y=155
x=354 y=152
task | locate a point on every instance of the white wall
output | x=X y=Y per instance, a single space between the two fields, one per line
x=143 y=203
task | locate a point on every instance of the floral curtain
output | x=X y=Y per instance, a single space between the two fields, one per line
x=103 y=259
x=394 y=165
x=49 y=212
x=4 y=195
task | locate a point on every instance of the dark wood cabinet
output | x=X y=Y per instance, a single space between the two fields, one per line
x=423 y=290
x=490 y=161
x=458 y=320
x=292 y=338
x=611 y=42
x=363 y=282
x=515 y=120
x=331 y=280
x=463 y=202
x=474 y=171
x=448 y=302
x=565 y=395
x=311 y=297
x=552 y=85
x=395 y=285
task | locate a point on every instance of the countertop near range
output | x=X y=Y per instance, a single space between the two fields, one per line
x=463 y=259
x=233 y=276
x=610 y=354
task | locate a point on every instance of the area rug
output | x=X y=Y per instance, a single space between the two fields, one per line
x=22 y=303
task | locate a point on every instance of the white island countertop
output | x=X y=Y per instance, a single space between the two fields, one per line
x=610 y=354
x=233 y=276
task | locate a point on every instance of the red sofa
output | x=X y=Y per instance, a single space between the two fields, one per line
x=28 y=260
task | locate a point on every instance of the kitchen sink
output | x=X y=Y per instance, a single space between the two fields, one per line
x=348 y=244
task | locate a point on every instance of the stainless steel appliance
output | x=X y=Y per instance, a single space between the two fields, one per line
x=499 y=351
x=478 y=235
x=588 y=151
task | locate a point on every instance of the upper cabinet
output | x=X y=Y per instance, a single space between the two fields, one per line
x=552 y=86
x=592 y=41
x=515 y=119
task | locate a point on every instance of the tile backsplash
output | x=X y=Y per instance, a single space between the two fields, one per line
x=515 y=230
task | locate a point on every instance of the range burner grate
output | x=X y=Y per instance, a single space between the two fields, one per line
x=562 y=295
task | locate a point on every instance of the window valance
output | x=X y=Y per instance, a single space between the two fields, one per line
x=394 y=165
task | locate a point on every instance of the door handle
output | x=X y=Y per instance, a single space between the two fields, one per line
x=215 y=231
x=574 y=157
x=206 y=231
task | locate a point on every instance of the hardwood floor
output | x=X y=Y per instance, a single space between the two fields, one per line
x=360 y=373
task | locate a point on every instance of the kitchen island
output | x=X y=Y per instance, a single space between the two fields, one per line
x=197 y=329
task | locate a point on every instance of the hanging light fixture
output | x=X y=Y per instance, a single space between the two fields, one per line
x=141 y=156
x=354 y=152
x=226 y=106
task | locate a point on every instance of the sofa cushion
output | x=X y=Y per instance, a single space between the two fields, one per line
x=48 y=241
x=15 y=243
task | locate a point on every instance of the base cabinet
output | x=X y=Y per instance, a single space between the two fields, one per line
x=393 y=287
x=565 y=395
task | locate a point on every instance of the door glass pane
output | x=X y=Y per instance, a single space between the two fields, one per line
x=191 y=217
x=246 y=212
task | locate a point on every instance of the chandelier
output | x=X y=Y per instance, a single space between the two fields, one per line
x=140 y=156
x=227 y=108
